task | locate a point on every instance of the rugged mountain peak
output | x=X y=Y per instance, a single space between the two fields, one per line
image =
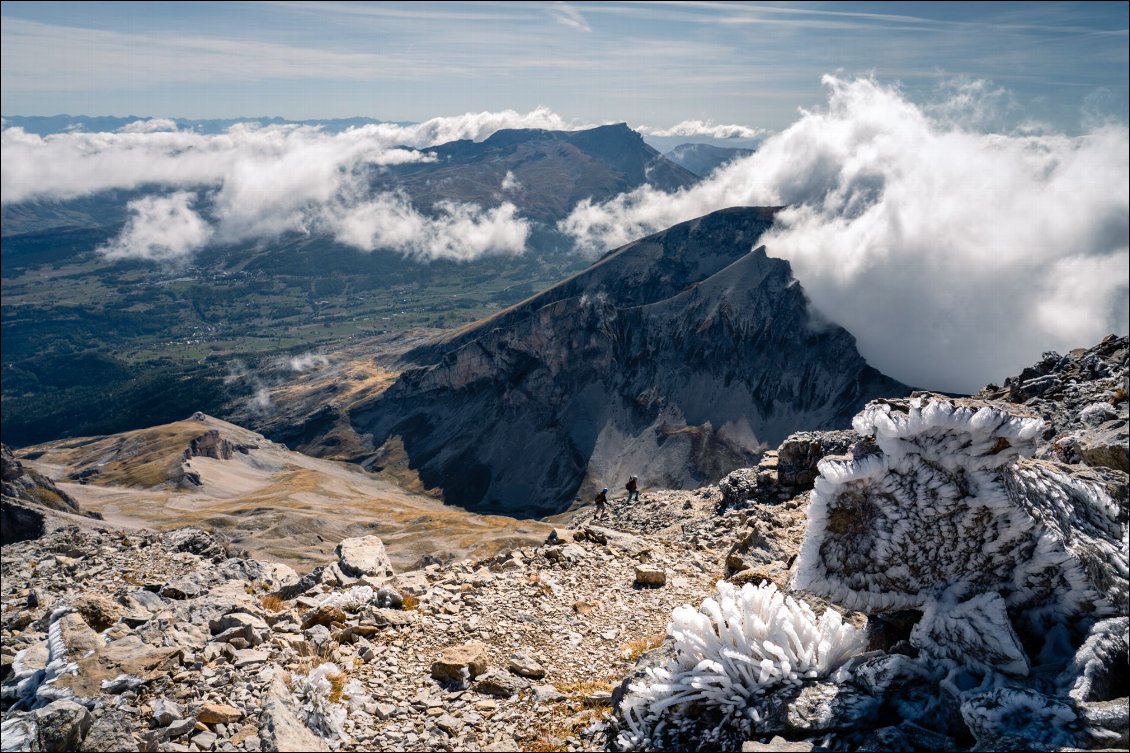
x=677 y=358
x=547 y=172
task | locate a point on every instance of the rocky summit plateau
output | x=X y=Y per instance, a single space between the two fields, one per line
x=947 y=574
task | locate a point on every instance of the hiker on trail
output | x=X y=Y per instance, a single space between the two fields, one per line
x=633 y=489
x=601 y=501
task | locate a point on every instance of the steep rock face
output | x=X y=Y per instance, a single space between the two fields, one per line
x=25 y=496
x=677 y=357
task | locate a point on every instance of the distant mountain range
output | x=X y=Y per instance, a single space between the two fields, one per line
x=550 y=171
x=44 y=125
x=677 y=357
x=703 y=159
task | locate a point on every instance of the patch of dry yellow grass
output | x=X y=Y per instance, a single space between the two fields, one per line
x=272 y=603
x=633 y=650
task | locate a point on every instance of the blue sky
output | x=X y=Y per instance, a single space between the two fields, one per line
x=644 y=63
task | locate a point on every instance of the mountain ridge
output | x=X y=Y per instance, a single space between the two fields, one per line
x=632 y=366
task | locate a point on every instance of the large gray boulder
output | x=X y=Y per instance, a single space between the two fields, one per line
x=364 y=555
x=62 y=725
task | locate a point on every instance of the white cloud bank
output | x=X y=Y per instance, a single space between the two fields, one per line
x=160 y=228
x=954 y=257
x=261 y=182
x=697 y=128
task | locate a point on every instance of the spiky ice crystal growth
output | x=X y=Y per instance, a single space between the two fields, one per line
x=313 y=691
x=732 y=650
x=353 y=600
x=941 y=501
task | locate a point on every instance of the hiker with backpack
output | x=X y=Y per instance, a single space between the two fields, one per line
x=633 y=489
x=601 y=501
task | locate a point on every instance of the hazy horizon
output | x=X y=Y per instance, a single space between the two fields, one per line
x=647 y=64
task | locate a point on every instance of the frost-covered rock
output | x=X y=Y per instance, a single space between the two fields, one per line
x=353 y=600
x=1024 y=715
x=319 y=707
x=940 y=505
x=1100 y=663
x=1016 y=569
x=729 y=653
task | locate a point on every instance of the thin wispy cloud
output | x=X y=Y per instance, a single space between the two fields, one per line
x=40 y=57
x=567 y=15
x=638 y=62
x=693 y=128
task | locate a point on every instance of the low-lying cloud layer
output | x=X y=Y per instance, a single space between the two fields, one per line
x=253 y=183
x=955 y=257
x=160 y=228
x=700 y=128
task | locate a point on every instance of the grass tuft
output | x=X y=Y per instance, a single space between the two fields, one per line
x=272 y=603
x=633 y=650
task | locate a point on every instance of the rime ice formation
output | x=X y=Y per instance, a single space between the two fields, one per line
x=938 y=506
x=314 y=691
x=1010 y=561
x=1095 y=667
x=1011 y=712
x=359 y=597
x=731 y=651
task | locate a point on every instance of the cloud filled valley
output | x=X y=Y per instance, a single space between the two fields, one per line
x=258 y=183
x=953 y=255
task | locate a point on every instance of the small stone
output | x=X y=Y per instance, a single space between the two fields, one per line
x=179 y=727
x=249 y=657
x=449 y=724
x=218 y=713
x=458 y=663
x=389 y=598
x=204 y=740
x=325 y=616
x=165 y=712
x=598 y=698
x=524 y=665
x=778 y=743
x=110 y=732
x=547 y=693
x=364 y=555
x=62 y=725
x=497 y=683
x=100 y=612
x=649 y=576
x=246 y=732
